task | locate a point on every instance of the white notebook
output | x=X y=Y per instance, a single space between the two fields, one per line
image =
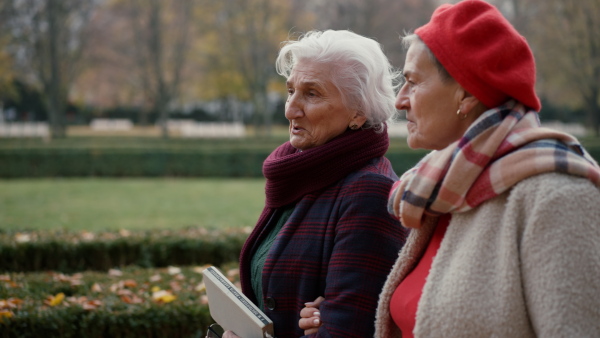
x=232 y=310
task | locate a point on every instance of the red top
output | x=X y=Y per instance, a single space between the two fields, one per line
x=403 y=305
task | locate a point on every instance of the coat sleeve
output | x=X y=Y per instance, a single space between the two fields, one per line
x=367 y=242
x=560 y=255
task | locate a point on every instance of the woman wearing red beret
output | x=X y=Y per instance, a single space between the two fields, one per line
x=505 y=214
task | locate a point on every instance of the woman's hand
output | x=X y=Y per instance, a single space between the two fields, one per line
x=229 y=334
x=310 y=317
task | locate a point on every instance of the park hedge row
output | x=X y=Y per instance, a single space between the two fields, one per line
x=26 y=163
x=132 y=302
x=73 y=162
x=22 y=163
x=185 y=320
x=71 y=251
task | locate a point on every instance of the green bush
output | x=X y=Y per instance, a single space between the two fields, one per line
x=122 y=303
x=129 y=163
x=70 y=251
x=179 y=158
x=186 y=320
x=149 y=163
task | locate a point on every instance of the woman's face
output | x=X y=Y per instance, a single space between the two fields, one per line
x=430 y=103
x=314 y=106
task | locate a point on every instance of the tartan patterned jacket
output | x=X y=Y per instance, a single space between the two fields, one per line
x=340 y=243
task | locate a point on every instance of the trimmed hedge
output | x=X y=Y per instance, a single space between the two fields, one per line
x=144 y=162
x=70 y=251
x=185 y=320
x=122 y=303
x=27 y=163
x=129 y=163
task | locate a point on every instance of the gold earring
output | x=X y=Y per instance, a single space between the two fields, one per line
x=461 y=116
x=354 y=126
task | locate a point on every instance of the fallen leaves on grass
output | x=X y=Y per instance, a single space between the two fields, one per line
x=5 y=314
x=92 y=291
x=84 y=302
x=54 y=300
x=163 y=296
x=10 y=304
x=73 y=280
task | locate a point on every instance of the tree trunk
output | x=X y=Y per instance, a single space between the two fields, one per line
x=156 y=52
x=53 y=88
x=593 y=112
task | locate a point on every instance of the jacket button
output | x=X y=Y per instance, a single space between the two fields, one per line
x=270 y=303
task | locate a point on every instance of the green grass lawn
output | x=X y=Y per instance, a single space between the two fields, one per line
x=99 y=204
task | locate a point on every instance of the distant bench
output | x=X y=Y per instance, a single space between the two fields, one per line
x=111 y=124
x=212 y=130
x=24 y=129
x=398 y=129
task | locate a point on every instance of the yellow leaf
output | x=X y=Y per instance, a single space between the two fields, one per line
x=5 y=314
x=56 y=300
x=163 y=296
x=155 y=289
x=167 y=298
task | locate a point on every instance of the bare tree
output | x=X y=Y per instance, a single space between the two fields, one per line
x=7 y=90
x=251 y=31
x=383 y=20
x=162 y=33
x=47 y=40
x=568 y=40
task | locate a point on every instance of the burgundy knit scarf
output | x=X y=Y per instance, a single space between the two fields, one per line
x=292 y=174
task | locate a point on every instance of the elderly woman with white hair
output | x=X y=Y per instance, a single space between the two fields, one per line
x=325 y=230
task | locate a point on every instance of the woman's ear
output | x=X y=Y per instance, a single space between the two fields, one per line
x=469 y=104
x=359 y=119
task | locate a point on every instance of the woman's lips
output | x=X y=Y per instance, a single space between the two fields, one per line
x=297 y=130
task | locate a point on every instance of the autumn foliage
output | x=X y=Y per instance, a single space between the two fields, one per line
x=112 y=284
x=126 y=302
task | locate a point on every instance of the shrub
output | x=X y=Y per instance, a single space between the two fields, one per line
x=78 y=251
x=133 y=302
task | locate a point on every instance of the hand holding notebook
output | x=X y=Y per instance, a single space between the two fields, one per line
x=232 y=310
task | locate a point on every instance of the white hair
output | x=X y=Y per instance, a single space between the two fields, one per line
x=360 y=70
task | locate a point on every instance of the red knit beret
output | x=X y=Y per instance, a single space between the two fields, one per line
x=483 y=52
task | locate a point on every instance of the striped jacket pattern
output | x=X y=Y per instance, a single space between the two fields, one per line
x=340 y=243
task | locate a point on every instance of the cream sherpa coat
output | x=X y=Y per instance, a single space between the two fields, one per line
x=524 y=264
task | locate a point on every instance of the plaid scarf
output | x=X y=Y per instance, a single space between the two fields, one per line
x=501 y=148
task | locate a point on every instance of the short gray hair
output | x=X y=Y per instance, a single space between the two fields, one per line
x=412 y=38
x=363 y=73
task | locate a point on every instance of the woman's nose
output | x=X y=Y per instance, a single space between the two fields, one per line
x=402 y=101
x=293 y=108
